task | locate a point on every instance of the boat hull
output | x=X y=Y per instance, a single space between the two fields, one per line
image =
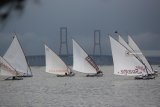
x=69 y=75
x=26 y=76
x=144 y=77
x=14 y=78
x=94 y=75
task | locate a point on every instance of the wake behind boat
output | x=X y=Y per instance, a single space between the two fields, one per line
x=84 y=63
x=55 y=65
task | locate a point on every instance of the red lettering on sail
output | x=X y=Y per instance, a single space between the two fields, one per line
x=137 y=70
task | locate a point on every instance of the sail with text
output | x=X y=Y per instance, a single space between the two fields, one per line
x=136 y=49
x=124 y=63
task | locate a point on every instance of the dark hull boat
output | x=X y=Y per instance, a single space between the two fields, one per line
x=144 y=77
x=14 y=78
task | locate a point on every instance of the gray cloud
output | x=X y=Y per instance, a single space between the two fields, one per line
x=141 y=18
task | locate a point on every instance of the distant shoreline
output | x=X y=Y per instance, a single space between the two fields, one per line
x=39 y=60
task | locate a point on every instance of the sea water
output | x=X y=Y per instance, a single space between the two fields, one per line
x=47 y=90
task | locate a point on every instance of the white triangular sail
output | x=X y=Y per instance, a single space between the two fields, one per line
x=133 y=52
x=79 y=60
x=54 y=64
x=125 y=64
x=136 y=49
x=6 y=69
x=122 y=41
x=16 y=58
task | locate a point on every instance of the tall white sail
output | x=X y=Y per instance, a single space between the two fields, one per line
x=125 y=64
x=6 y=69
x=16 y=58
x=79 y=60
x=54 y=64
x=122 y=41
x=136 y=49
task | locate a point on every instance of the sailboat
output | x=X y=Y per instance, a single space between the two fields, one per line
x=83 y=63
x=126 y=64
x=16 y=58
x=55 y=65
x=136 y=49
x=131 y=54
x=6 y=70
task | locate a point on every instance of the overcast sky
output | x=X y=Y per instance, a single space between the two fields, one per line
x=41 y=22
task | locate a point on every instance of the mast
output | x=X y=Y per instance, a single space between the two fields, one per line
x=91 y=62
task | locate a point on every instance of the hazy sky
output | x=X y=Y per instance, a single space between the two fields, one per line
x=41 y=22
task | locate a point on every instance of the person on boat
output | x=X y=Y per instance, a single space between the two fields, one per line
x=99 y=72
x=156 y=72
x=70 y=73
x=13 y=78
